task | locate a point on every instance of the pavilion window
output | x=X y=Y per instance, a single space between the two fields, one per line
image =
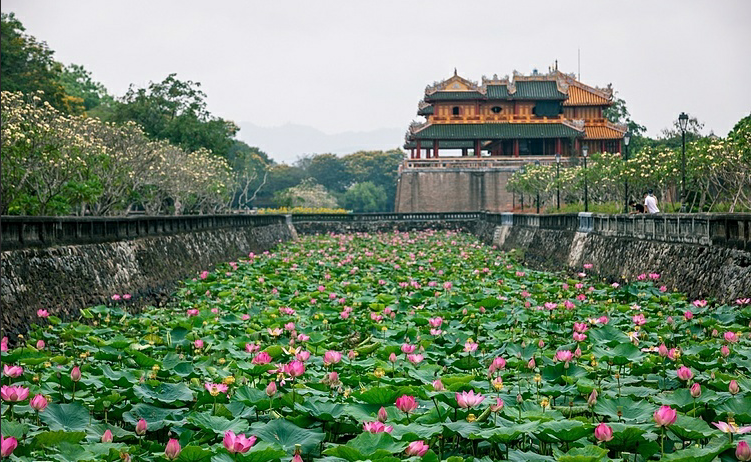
x=496 y=109
x=455 y=110
x=547 y=109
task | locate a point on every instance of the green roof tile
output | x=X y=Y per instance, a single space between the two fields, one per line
x=454 y=96
x=443 y=144
x=538 y=90
x=497 y=92
x=427 y=110
x=490 y=131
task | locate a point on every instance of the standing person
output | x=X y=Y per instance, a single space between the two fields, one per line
x=650 y=202
x=636 y=208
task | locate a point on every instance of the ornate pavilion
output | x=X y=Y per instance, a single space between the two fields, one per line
x=532 y=115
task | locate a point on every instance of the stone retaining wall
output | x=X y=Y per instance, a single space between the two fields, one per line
x=64 y=279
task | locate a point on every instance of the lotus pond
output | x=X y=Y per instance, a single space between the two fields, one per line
x=385 y=347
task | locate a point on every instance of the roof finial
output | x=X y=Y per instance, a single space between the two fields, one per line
x=556 y=64
x=454 y=72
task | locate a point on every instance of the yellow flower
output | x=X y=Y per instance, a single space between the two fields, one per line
x=471 y=418
x=379 y=373
x=221 y=360
x=229 y=380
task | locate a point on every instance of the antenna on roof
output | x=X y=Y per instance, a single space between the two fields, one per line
x=556 y=64
x=454 y=72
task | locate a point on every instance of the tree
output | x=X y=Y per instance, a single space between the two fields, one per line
x=365 y=197
x=379 y=167
x=77 y=82
x=250 y=166
x=330 y=171
x=27 y=66
x=175 y=111
x=306 y=194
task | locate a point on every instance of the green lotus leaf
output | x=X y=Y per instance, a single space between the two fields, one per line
x=287 y=435
x=69 y=417
x=164 y=393
x=633 y=411
x=156 y=417
x=564 y=430
x=54 y=438
x=707 y=453
x=588 y=453
x=218 y=425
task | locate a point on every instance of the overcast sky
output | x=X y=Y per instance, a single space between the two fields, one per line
x=363 y=65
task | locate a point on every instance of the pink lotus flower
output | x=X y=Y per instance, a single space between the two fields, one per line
x=564 y=355
x=588 y=266
x=417 y=448
x=497 y=406
x=579 y=337
x=731 y=337
x=415 y=359
x=407 y=348
x=40 y=344
x=615 y=285
x=38 y=403
x=237 y=443
x=192 y=312
x=568 y=304
x=498 y=364
x=435 y=322
x=294 y=368
x=304 y=355
x=438 y=385
x=470 y=346
x=673 y=354
x=126 y=296
x=467 y=400
x=663 y=288
x=654 y=276
x=603 y=432
x=261 y=358
x=436 y=332
x=4 y=344
x=743 y=451
x=172 y=450
x=198 y=343
x=688 y=315
x=216 y=388
x=43 y=313
x=641 y=277
x=377 y=427
x=685 y=374
x=107 y=436
x=662 y=350
x=116 y=297
x=731 y=427
x=695 y=390
x=297 y=458
x=252 y=347
x=7 y=446
x=271 y=389
x=141 y=427
x=665 y=416
x=639 y=319
x=550 y=306
x=12 y=371
x=406 y=403
x=447 y=285
x=700 y=303
x=275 y=332
x=733 y=387
x=531 y=364
x=580 y=327
x=14 y=393
x=302 y=338
x=392 y=357
x=331 y=357
x=382 y=416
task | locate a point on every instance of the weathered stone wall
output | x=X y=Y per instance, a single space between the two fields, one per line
x=64 y=279
x=699 y=270
x=337 y=227
x=453 y=190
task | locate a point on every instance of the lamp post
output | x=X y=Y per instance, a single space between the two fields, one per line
x=521 y=194
x=537 y=164
x=626 y=139
x=585 y=148
x=557 y=184
x=683 y=123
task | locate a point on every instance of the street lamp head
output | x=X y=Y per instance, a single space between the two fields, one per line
x=683 y=121
x=557 y=158
x=585 y=149
x=627 y=138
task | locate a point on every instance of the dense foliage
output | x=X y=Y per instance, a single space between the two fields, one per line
x=386 y=347
x=718 y=174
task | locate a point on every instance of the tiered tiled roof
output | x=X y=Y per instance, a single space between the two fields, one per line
x=495 y=131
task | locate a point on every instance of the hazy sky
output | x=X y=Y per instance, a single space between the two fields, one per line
x=362 y=65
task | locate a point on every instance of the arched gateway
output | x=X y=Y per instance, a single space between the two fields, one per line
x=474 y=136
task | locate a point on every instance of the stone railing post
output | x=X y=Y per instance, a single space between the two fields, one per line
x=586 y=222
x=507 y=219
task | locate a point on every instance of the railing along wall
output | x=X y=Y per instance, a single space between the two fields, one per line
x=367 y=217
x=727 y=230
x=25 y=231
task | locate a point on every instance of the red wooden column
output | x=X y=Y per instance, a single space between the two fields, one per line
x=558 y=146
x=516 y=148
x=477 y=148
x=435 y=149
x=602 y=145
x=500 y=148
x=577 y=150
x=419 y=150
x=412 y=153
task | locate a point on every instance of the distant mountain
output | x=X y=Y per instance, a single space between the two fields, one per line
x=288 y=142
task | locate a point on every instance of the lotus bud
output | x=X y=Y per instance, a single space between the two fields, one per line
x=271 y=389
x=695 y=390
x=592 y=400
x=107 y=436
x=172 y=450
x=733 y=388
x=141 y=427
x=382 y=416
